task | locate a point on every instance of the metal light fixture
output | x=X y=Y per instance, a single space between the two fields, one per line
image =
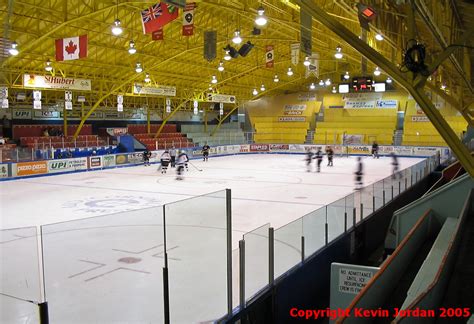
x=312 y=86
x=338 y=53
x=290 y=72
x=276 y=79
x=138 y=68
x=261 y=20
x=379 y=37
x=321 y=82
x=306 y=61
x=13 y=49
x=220 y=68
x=237 y=39
x=388 y=80
x=262 y=88
x=255 y=92
x=377 y=71
x=328 y=82
x=131 y=47
x=443 y=86
x=116 y=29
x=147 y=78
x=347 y=76
x=334 y=90
x=227 y=56
x=48 y=66
x=214 y=80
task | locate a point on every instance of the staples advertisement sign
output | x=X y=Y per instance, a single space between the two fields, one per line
x=259 y=148
x=31 y=168
x=55 y=82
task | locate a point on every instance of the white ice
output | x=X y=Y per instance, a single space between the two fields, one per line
x=108 y=269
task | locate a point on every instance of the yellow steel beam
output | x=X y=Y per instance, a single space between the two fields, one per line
x=465 y=158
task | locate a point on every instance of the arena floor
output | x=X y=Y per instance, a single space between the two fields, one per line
x=96 y=265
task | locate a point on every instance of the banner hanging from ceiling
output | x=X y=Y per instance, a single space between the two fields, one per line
x=55 y=82
x=158 y=90
x=188 y=19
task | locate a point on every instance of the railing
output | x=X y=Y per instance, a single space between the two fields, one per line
x=266 y=254
x=72 y=143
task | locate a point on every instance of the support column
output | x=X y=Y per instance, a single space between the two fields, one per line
x=65 y=121
x=148 y=120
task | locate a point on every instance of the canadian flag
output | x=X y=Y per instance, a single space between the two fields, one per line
x=71 y=48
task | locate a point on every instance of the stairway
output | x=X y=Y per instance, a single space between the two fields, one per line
x=397 y=137
x=309 y=137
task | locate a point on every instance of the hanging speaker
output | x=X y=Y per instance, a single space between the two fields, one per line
x=245 y=49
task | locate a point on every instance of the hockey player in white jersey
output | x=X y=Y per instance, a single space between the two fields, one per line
x=165 y=161
x=180 y=162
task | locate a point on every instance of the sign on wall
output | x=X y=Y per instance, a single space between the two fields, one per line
x=55 y=82
x=291 y=119
x=158 y=90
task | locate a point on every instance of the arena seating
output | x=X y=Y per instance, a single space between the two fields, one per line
x=41 y=142
x=425 y=134
x=370 y=124
x=228 y=133
x=168 y=137
x=270 y=130
x=37 y=130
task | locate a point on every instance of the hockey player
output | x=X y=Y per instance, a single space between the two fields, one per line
x=309 y=159
x=205 y=152
x=173 y=156
x=375 y=150
x=165 y=161
x=180 y=162
x=359 y=173
x=186 y=160
x=146 y=157
x=395 y=173
x=330 y=154
x=319 y=158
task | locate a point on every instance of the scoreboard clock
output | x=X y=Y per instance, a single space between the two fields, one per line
x=362 y=84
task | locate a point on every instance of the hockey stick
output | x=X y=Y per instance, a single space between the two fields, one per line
x=194 y=166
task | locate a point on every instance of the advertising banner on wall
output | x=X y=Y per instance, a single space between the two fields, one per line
x=259 y=148
x=362 y=96
x=392 y=104
x=291 y=119
x=359 y=149
x=3 y=170
x=294 y=109
x=95 y=162
x=31 y=168
x=359 y=104
x=215 y=97
x=279 y=147
x=21 y=114
x=419 y=119
x=158 y=90
x=108 y=161
x=244 y=148
x=55 y=82
x=66 y=165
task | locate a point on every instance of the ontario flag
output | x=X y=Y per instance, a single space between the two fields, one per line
x=71 y=48
x=158 y=15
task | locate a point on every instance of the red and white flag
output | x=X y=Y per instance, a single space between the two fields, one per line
x=269 y=59
x=157 y=16
x=71 y=48
x=188 y=19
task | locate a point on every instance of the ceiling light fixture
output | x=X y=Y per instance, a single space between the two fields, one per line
x=147 y=78
x=377 y=71
x=131 y=47
x=276 y=79
x=227 y=56
x=138 y=68
x=116 y=29
x=321 y=82
x=328 y=82
x=443 y=86
x=334 y=90
x=388 y=80
x=338 y=53
x=255 y=92
x=214 y=80
x=347 y=76
x=48 y=66
x=220 y=68
x=379 y=37
x=306 y=61
x=312 y=86
x=13 y=50
x=290 y=72
x=262 y=88
x=237 y=39
x=261 y=20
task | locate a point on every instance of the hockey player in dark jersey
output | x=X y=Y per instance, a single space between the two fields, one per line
x=319 y=158
x=359 y=173
x=330 y=154
x=205 y=152
x=146 y=157
x=309 y=159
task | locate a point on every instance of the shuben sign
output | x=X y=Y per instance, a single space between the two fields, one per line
x=55 y=82
x=31 y=168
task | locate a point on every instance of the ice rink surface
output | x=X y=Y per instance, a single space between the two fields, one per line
x=266 y=188
x=94 y=265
